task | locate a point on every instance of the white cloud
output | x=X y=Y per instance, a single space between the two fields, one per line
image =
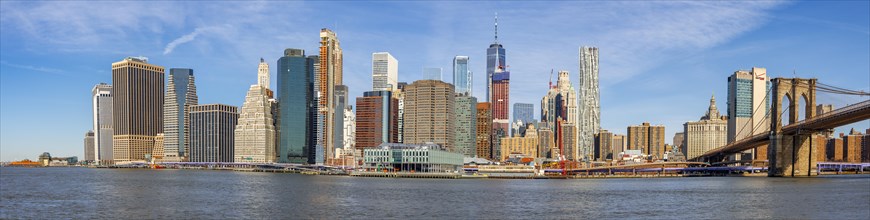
x=183 y=39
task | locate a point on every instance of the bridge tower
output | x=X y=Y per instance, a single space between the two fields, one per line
x=791 y=155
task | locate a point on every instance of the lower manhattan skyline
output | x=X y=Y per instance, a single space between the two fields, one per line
x=435 y=109
x=655 y=66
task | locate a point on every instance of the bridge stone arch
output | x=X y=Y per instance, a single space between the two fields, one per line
x=793 y=89
x=792 y=154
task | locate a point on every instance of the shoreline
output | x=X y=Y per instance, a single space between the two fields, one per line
x=371 y=174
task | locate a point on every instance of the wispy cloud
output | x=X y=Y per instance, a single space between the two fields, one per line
x=187 y=38
x=33 y=68
x=83 y=25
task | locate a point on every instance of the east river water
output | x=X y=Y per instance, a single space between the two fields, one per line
x=83 y=193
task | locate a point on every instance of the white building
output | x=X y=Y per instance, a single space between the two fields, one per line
x=748 y=105
x=709 y=133
x=103 y=128
x=590 y=108
x=254 y=139
x=385 y=72
x=349 y=129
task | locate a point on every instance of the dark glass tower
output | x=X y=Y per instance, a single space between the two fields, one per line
x=295 y=96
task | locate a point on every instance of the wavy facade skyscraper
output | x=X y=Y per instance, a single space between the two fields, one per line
x=590 y=107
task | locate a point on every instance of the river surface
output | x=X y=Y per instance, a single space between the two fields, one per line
x=81 y=193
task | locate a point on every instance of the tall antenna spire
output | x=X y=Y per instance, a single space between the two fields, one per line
x=496 y=27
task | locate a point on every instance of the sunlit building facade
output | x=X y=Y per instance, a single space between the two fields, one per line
x=137 y=101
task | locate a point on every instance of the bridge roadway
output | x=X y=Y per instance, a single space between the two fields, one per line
x=839 y=117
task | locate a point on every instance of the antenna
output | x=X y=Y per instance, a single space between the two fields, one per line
x=496 y=27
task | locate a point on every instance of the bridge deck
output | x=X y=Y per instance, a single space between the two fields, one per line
x=839 y=117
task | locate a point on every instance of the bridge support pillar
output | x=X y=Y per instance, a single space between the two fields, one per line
x=792 y=155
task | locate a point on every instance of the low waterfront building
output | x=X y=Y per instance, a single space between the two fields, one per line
x=45 y=159
x=526 y=145
x=397 y=157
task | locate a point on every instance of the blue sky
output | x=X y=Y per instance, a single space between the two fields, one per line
x=659 y=61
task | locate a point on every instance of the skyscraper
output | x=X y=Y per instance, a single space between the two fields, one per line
x=495 y=59
x=103 y=128
x=462 y=77
x=484 y=130
x=498 y=85
x=558 y=109
x=429 y=106
x=590 y=108
x=341 y=103
x=465 y=124
x=385 y=72
x=328 y=76
x=523 y=115
x=254 y=140
x=137 y=102
x=212 y=132
x=501 y=101
x=706 y=134
x=263 y=74
x=295 y=100
x=432 y=73
x=748 y=106
x=400 y=95
x=317 y=120
x=89 y=147
x=375 y=119
x=180 y=94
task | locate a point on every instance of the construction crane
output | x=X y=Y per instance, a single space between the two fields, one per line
x=551 y=79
